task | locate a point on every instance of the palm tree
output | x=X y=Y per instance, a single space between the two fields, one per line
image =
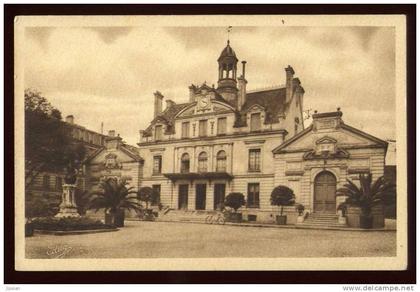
x=114 y=197
x=369 y=194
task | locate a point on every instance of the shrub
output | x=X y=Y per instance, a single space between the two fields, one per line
x=45 y=205
x=235 y=201
x=69 y=224
x=145 y=194
x=282 y=196
x=300 y=208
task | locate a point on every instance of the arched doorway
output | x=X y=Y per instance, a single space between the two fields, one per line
x=324 y=192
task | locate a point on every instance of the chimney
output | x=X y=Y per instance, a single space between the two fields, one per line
x=243 y=69
x=70 y=119
x=242 y=88
x=111 y=133
x=158 y=103
x=289 y=83
x=169 y=103
x=192 y=89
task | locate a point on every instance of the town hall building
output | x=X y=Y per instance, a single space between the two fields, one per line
x=220 y=141
x=227 y=139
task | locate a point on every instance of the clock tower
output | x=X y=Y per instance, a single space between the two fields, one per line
x=227 y=84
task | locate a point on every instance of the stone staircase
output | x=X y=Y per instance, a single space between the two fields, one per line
x=198 y=216
x=321 y=220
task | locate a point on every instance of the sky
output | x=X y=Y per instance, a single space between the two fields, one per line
x=109 y=74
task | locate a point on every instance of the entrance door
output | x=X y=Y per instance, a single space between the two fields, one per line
x=219 y=196
x=324 y=195
x=200 y=196
x=183 y=197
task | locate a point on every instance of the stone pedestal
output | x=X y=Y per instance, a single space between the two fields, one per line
x=68 y=207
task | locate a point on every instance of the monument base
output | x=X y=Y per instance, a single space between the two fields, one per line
x=68 y=205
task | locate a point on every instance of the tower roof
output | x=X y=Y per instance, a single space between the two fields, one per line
x=227 y=52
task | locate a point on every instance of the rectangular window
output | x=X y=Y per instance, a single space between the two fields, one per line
x=255 y=122
x=158 y=133
x=58 y=183
x=157 y=164
x=253 y=200
x=155 y=195
x=221 y=126
x=254 y=163
x=46 y=182
x=202 y=128
x=185 y=130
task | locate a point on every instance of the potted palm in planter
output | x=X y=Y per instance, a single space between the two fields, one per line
x=145 y=194
x=366 y=198
x=282 y=196
x=114 y=197
x=235 y=201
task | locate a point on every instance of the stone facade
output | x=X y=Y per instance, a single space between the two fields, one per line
x=321 y=158
x=49 y=184
x=220 y=141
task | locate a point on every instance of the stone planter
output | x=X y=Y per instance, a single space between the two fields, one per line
x=281 y=219
x=119 y=218
x=356 y=220
x=300 y=219
x=342 y=220
x=109 y=219
x=116 y=219
x=366 y=222
x=235 y=217
x=353 y=217
x=378 y=214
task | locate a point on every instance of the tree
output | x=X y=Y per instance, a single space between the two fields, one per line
x=369 y=194
x=145 y=194
x=48 y=142
x=235 y=201
x=41 y=206
x=113 y=196
x=282 y=196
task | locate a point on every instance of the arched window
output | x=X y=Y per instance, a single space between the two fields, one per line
x=185 y=163
x=221 y=161
x=202 y=162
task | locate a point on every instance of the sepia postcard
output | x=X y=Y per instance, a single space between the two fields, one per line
x=204 y=142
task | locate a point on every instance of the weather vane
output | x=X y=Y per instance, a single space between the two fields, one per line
x=228 y=32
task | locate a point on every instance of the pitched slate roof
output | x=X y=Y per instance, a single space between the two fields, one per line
x=272 y=100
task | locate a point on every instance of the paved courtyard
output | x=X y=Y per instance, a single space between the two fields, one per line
x=164 y=239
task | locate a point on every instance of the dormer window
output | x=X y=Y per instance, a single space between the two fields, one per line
x=255 y=122
x=158 y=133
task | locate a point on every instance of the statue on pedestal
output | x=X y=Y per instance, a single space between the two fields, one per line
x=68 y=207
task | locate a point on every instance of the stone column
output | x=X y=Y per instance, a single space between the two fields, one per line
x=68 y=206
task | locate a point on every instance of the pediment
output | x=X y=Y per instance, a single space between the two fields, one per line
x=208 y=106
x=342 y=138
x=256 y=107
x=105 y=155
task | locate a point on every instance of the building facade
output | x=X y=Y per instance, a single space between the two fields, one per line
x=220 y=141
x=320 y=159
x=48 y=184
